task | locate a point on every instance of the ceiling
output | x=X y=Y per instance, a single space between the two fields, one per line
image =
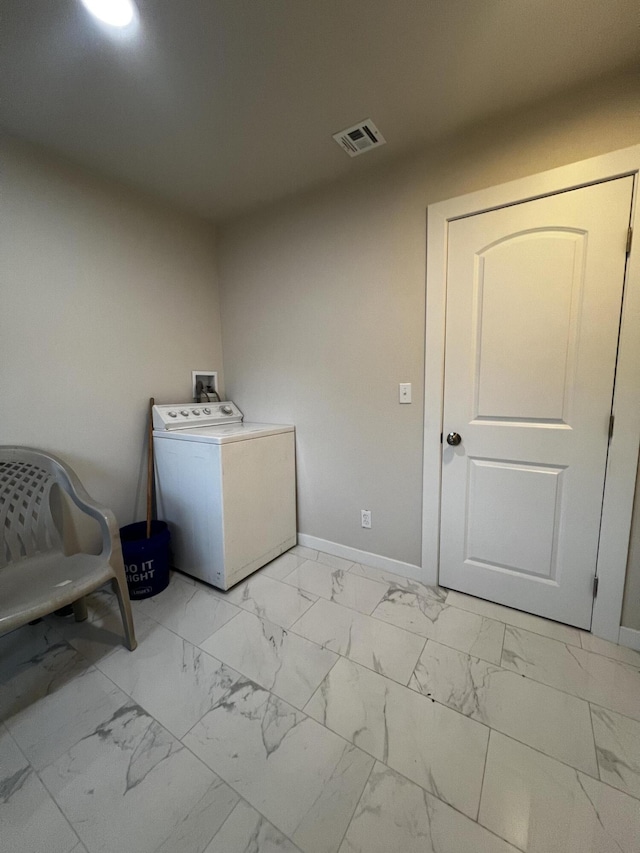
x=222 y=105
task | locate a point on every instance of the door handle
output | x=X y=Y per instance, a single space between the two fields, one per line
x=454 y=439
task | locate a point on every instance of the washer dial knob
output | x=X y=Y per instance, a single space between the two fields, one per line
x=184 y=413
x=226 y=409
x=172 y=414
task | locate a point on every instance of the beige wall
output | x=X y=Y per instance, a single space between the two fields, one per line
x=631 y=607
x=323 y=308
x=106 y=299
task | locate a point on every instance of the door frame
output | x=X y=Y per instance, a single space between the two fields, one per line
x=622 y=460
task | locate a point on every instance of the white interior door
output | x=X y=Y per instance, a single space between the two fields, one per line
x=534 y=294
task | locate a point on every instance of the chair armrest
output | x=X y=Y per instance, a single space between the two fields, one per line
x=68 y=479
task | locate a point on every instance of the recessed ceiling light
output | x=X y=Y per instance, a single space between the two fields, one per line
x=116 y=13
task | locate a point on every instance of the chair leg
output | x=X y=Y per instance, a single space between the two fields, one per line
x=120 y=588
x=80 y=609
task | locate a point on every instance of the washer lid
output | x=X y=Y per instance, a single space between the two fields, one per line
x=224 y=433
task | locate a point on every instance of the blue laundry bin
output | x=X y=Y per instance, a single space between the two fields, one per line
x=146 y=561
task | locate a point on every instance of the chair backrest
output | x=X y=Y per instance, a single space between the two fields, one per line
x=26 y=523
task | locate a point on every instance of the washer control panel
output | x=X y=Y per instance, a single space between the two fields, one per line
x=185 y=415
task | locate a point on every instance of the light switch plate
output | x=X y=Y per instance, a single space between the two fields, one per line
x=405 y=392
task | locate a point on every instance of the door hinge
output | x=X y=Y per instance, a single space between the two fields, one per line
x=441 y=437
x=611 y=422
x=629 y=239
x=595 y=586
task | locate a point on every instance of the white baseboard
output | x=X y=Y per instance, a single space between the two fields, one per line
x=628 y=637
x=366 y=557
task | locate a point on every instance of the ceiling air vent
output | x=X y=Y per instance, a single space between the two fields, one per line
x=360 y=138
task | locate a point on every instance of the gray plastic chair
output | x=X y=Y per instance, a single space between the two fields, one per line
x=36 y=577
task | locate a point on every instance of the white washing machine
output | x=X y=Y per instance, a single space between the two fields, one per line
x=226 y=488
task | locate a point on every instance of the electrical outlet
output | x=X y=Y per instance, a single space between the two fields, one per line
x=365 y=515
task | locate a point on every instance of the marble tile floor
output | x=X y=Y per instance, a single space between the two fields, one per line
x=321 y=706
